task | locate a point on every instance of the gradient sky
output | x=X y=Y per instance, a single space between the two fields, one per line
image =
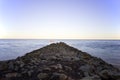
x=60 y=19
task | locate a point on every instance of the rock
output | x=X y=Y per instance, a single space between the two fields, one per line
x=3 y=66
x=11 y=65
x=87 y=70
x=52 y=58
x=67 y=68
x=24 y=71
x=30 y=72
x=16 y=68
x=62 y=77
x=105 y=74
x=66 y=58
x=95 y=77
x=9 y=75
x=4 y=79
x=18 y=62
x=57 y=66
x=58 y=76
x=57 y=55
x=69 y=78
x=75 y=58
x=22 y=64
x=116 y=76
x=46 y=69
x=42 y=76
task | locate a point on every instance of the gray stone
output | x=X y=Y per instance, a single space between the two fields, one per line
x=52 y=58
x=16 y=68
x=75 y=58
x=11 y=65
x=57 y=66
x=87 y=70
x=30 y=72
x=95 y=77
x=22 y=64
x=47 y=69
x=59 y=76
x=105 y=74
x=42 y=76
x=62 y=77
x=66 y=58
x=67 y=68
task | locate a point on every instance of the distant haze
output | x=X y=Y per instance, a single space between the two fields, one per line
x=60 y=19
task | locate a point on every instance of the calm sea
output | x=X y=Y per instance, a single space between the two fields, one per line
x=108 y=50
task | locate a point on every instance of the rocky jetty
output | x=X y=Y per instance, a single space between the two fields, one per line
x=57 y=61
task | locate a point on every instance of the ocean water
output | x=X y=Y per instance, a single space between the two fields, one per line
x=108 y=50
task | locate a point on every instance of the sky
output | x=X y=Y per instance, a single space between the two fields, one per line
x=60 y=19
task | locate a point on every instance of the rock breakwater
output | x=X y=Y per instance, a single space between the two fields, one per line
x=57 y=61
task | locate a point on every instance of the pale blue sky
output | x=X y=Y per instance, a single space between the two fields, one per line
x=63 y=19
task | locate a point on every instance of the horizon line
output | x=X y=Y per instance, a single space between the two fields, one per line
x=58 y=39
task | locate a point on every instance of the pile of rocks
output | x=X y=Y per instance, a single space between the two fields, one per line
x=58 y=61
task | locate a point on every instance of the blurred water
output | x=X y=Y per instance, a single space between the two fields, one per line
x=108 y=50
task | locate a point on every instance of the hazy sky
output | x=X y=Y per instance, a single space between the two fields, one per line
x=75 y=19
